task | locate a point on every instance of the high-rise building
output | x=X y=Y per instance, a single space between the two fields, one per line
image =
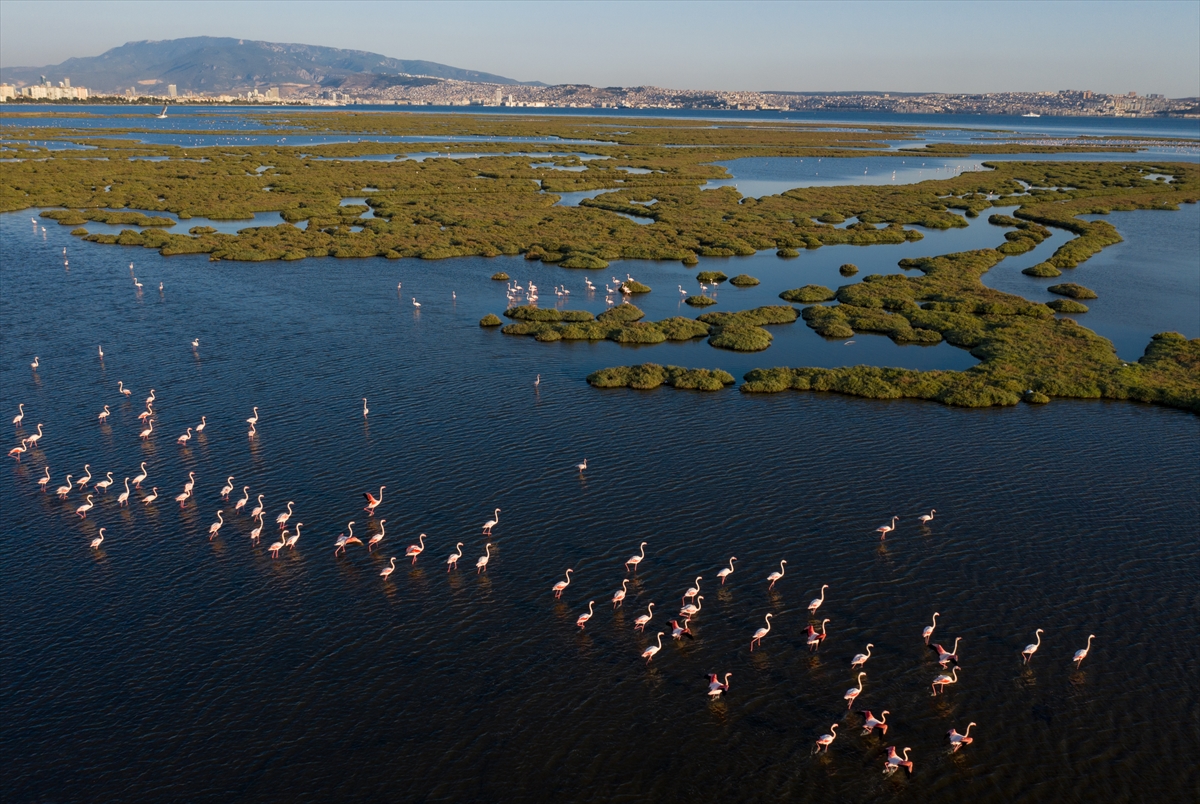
x=273 y=93
x=172 y=91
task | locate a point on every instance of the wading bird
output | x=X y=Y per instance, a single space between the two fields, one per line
x=581 y=466
x=939 y=683
x=253 y=419
x=692 y=609
x=816 y=602
x=619 y=595
x=99 y=540
x=282 y=519
x=925 y=519
x=227 y=488
x=894 y=761
x=640 y=623
x=716 y=686
x=1080 y=655
x=649 y=652
x=815 y=638
x=947 y=656
x=63 y=491
x=36 y=437
x=279 y=545
x=152 y=496
x=254 y=534
x=1033 y=647
x=583 y=618
x=124 y=496
x=635 y=560
x=957 y=740
x=365 y=411
x=386 y=572
x=138 y=478
x=481 y=564
x=559 y=587
x=452 y=559
x=775 y=576
x=83 y=509
x=20 y=415
x=203 y=423
x=725 y=573
x=860 y=659
x=854 y=692
x=102 y=485
x=870 y=722
x=258 y=509
x=760 y=633
x=44 y=480
x=378 y=537
x=679 y=631
x=186 y=437
x=415 y=550
x=884 y=530
x=146 y=433
x=825 y=740
x=215 y=527
x=19 y=450
x=122 y=389
x=693 y=590
x=928 y=631
x=491 y=523
x=237 y=508
x=104 y=414
x=34 y=365
x=87 y=478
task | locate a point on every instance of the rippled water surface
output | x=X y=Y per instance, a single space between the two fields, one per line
x=164 y=666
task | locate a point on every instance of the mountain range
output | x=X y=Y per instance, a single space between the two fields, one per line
x=211 y=64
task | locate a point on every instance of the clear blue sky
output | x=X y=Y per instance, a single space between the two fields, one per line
x=900 y=46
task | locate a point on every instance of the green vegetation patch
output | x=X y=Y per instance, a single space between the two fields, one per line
x=621 y=313
x=744 y=281
x=756 y=317
x=530 y=313
x=490 y=320
x=699 y=301
x=1067 y=306
x=1072 y=290
x=79 y=232
x=651 y=375
x=74 y=217
x=1043 y=269
x=633 y=286
x=848 y=269
x=500 y=276
x=809 y=294
x=787 y=253
x=741 y=338
x=711 y=276
x=586 y=261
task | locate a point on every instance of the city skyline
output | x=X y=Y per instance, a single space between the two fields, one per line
x=818 y=48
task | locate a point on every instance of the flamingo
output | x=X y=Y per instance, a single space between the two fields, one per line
x=854 y=692
x=635 y=560
x=537 y=381
x=679 y=631
x=279 y=545
x=100 y=349
x=102 y=485
x=1032 y=647
x=34 y=365
x=352 y=539
x=216 y=526
x=559 y=587
x=378 y=537
x=415 y=302
x=99 y=540
x=816 y=602
x=186 y=437
x=947 y=656
x=452 y=559
x=282 y=519
x=619 y=595
x=775 y=576
x=760 y=633
x=925 y=519
x=692 y=609
x=372 y=501
x=254 y=534
x=860 y=659
x=725 y=573
x=145 y=414
x=137 y=284
x=253 y=419
x=884 y=530
x=36 y=437
x=928 y=631
x=151 y=497
x=242 y=502
x=20 y=415
x=491 y=523
x=122 y=389
x=137 y=480
x=649 y=652
x=365 y=411
x=146 y=433
x=640 y=623
x=252 y=432
x=150 y=399
x=825 y=740
x=203 y=423
x=694 y=590
x=583 y=618
x=191 y=484
x=87 y=478
x=870 y=722
x=18 y=451
x=815 y=639
x=716 y=687
x=83 y=509
x=1080 y=655
x=415 y=550
x=63 y=491
x=895 y=761
x=957 y=740
x=581 y=466
x=227 y=488
x=387 y=571
x=182 y=498
x=124 y=496
x=43 y=481
x=481 y=564
x=295 y=537
x=939 y=683
x=258 y=510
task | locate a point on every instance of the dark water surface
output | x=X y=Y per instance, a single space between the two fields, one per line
x=164 y=666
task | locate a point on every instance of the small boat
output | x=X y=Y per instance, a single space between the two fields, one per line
x=1027 y=114
x=163 y=114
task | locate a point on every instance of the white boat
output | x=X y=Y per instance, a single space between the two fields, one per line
x=1027 y=114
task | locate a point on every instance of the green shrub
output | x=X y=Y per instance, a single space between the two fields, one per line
x=809 y=294
x=848 y=269
x=79 y=232
x=651 y=375
x=1072 y=290
x=620 y=314
x=690 y=260
x=202 y=230
x=711 y=276
x=490 y=320
x=528 y=312
x=758 y=316
x=699 y=301
x=588 y=262
x=1067 y=306
x=636 y=287
x=500 y=276
x=638 y=332
x=741 y=338
x=678 y=328
x=1042 y=269
x=787 y=253
x=743 y=281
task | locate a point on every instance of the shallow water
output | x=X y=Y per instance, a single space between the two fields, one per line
x=166 y=666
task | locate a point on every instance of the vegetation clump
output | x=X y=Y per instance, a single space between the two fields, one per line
x=711 y=276
x=1042 y=270
x=79 y=231
x=1072 y=290
x=500 y=276
x=634 y=286
x=1067 y=306
x=586 y=261
x=699 y=301
x=651 y=375
x=787 y=253
x=528 y=312
x=809 y=294
x=621 y=313
x=202 y=230
x=490 y=320
x=848 y=269
x=744 y=281
x=741 y=338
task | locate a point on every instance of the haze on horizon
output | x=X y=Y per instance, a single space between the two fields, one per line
x=915 y=46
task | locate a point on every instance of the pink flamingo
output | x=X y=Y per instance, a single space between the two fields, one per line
x=372 y=502
x=378 y=537
x=415 y=550
x=649 y=652
x=583 y=618
x=775 y=576
x=895 y=761
x=559 y=587
x=825 y=740
x=452 y=559
x=957 y=740
x=760 y=633
x=884 y=530
x=716 y=687
x=640 y=623
x=387 y=571
x=870 y=722
x=725 y=573
x=635 y=560
x=928 y=630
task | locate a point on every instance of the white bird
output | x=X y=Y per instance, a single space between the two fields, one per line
x=216 y=526
x=825 y=740
x=635 y=560
x=378 y=537
x=927 y=632
x=559 y=587
x=415 y=550
x=649 y=652
x=957 y=740
x=775 y=576
x=186 y=437
x=452 y=559
x=87 y=478
x=715 y=687
x=258 y=510
x=583 y=618
x=182 y=498
x=1080 y=655
x=44 y=480
x=122 y=389
x=860 y=659
x=99 y=540
x=481 y=564
x=1032 y=648
x=242 y=502
x=295 y=537
x=104 y=414
x=762 y=632
x=386 y=572
x=191 y=484
x=640 y=623
x=581 y=466
x=939 y=683
x=491 y=523
x=925 y=519
x=279 y=545
x=282 y=519
x=124 y=496
x=87 y=506
x=195 y=343
x=227 y=488
x=254 y=419
x=365 y=411
x=619 y=595
x=151 y=497
x=693 y=590
x=725 y=573
x=415 y=302
x=35 y=363
x=884 y=530
x=254 y=534
x=20 y=415
x=146 y=433
x=102 y=485
x=854 y=692
x=203 y=423
x=100 y=349
x=816 y=602
x=692 y=609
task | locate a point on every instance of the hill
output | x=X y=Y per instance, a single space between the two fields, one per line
x=221 y=64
